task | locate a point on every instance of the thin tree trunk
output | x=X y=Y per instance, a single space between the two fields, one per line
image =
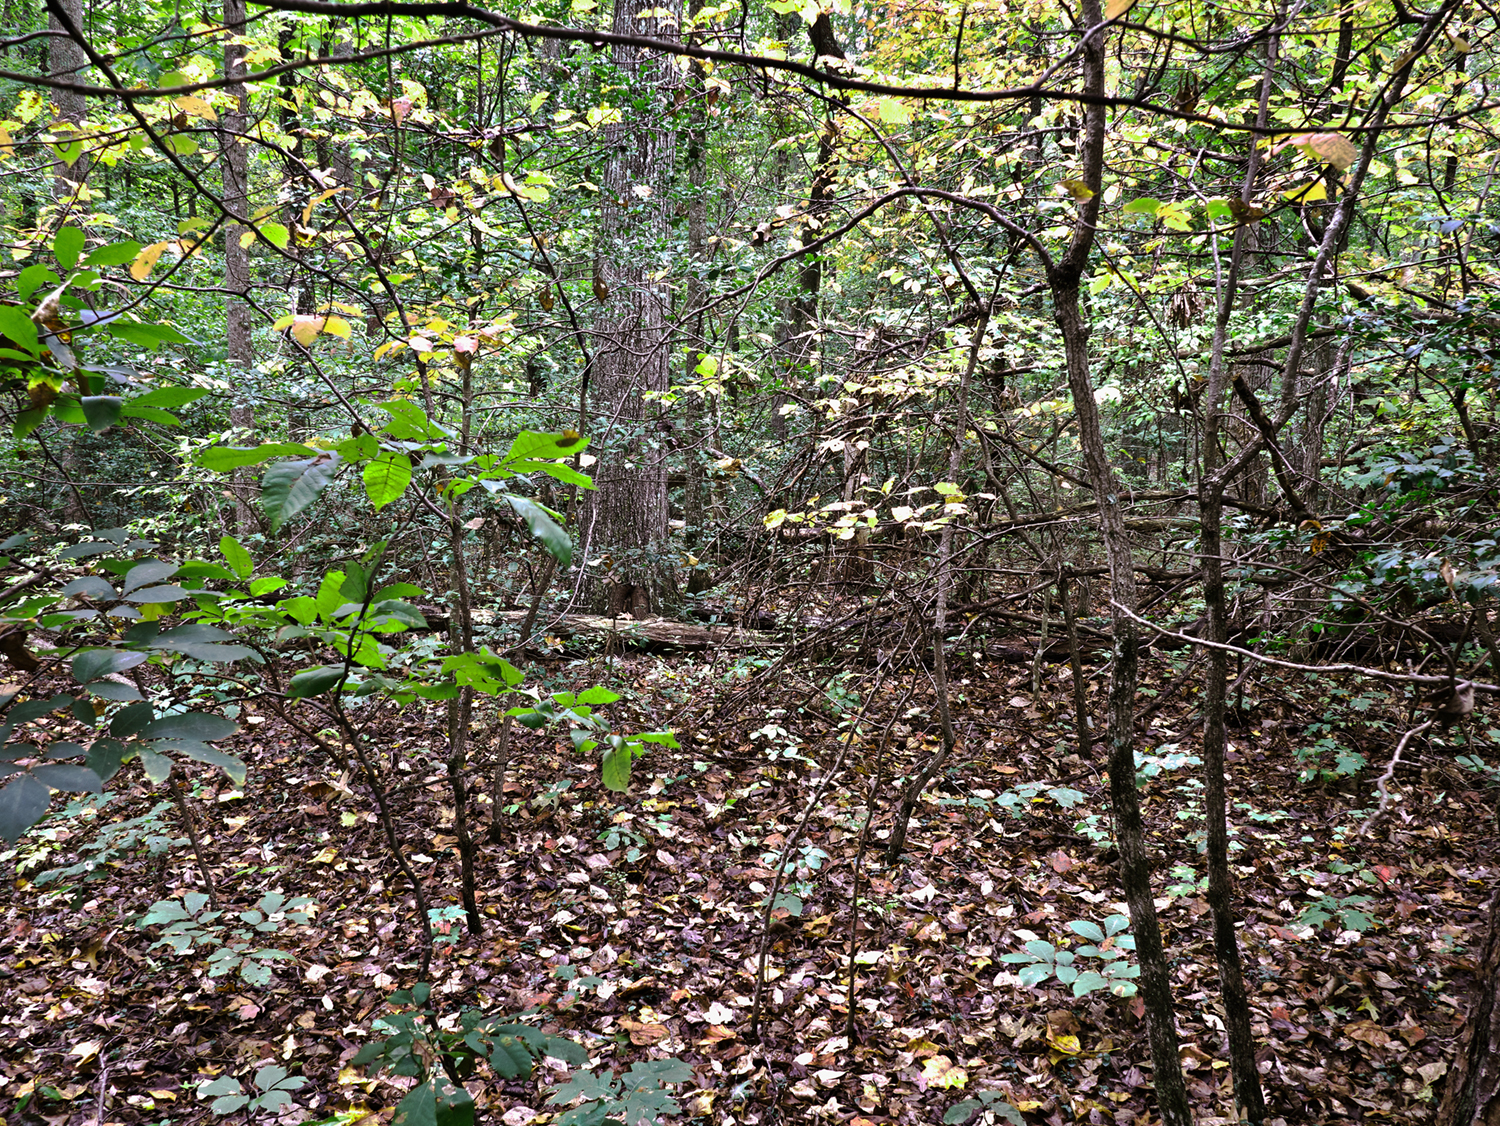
x=235 y=165
x=1248 y=1097
x=1064 y=279
x=66 y=60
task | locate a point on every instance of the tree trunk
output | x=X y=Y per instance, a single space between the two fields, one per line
x=236 y=172
x=625 y=517
x=1064 y=278
x=66 y=60
x=1471 y=1097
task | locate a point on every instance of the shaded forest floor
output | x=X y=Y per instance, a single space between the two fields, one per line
x=651 y=899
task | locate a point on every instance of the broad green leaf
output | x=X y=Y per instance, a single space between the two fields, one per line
x=314 y=682
x=67 y=777
x=23 y=800
x=115 y=254
x=236 y=556
x=221 y=459
x=617 y=769
x=67 y=246
x=102 y=411
x=168 y=397
x=386 y=478
x=190 y=725
x=542 y=526
x=19 y=329
x=290 y=486
x=100 y=662
x=1142 y=206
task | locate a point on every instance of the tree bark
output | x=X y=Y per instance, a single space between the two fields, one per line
x=235 y=164
x=1064 y=279
x=626 y=514
x=1471 y=1096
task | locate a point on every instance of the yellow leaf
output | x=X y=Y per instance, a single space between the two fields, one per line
x=196 y=106
x=1076 y=188
x=1334 y=148
x=940 y=1071
x=1067 y=1044
x=1308 y=193
x=6 y=147
x=87 y=1050
x=894 y=112
x=326 y=856
x=146 y=259
x=337 y=326
x=246 y=239
x=1117 y=8
x=305 y=328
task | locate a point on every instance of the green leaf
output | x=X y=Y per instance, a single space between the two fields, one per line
x=290 y=486
x=314 y=682
x=236 y=556
x=144 y=334
x=537 y=445
x=386 y=478
x=275 y=234
x=100 y=662
x=190 y=725
x=1088 y=930
x=22 y=803
x=102 y=411
x=419 y=1107
x=617 y=769
x=68 y=777
x=19 y=329
x=115 y=254
x=553 y=538
x=67 y=246
x=221 y=459
x=1143 y=206
x=157 y=767
x=129 y=721
x=32 y=278
x=169 y=397
x=104 y=758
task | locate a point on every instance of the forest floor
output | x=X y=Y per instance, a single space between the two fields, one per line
x=1357 y=950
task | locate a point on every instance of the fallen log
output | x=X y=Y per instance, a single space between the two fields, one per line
x=653 y=635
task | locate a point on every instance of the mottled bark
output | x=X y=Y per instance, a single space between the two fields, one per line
x=236 y=172
x=625 y=517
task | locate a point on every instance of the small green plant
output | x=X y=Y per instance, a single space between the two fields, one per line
x=1168 y=757
x=638 y=1098
x=1347 y=912
x=1018 y=801
x=419 y=1047
x=1108 y=943
x=444 y=923
x=988 y=1101
x=274 y=1085
x=114 y=842
x=234 y=943
x=1315 y=761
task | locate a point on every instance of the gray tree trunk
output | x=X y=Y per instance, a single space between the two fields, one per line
x=625 y=517
x=236 y=172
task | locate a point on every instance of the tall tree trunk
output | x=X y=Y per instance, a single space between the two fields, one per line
x=235 y=163
x=66 y=60
x=625 y=517
x=1064 y=278
x=1248 y=1097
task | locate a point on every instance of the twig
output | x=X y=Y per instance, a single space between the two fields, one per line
x=1362 y=670
x=786 y=851
x=1388 y=776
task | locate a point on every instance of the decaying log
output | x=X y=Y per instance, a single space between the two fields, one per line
x=654 y=635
